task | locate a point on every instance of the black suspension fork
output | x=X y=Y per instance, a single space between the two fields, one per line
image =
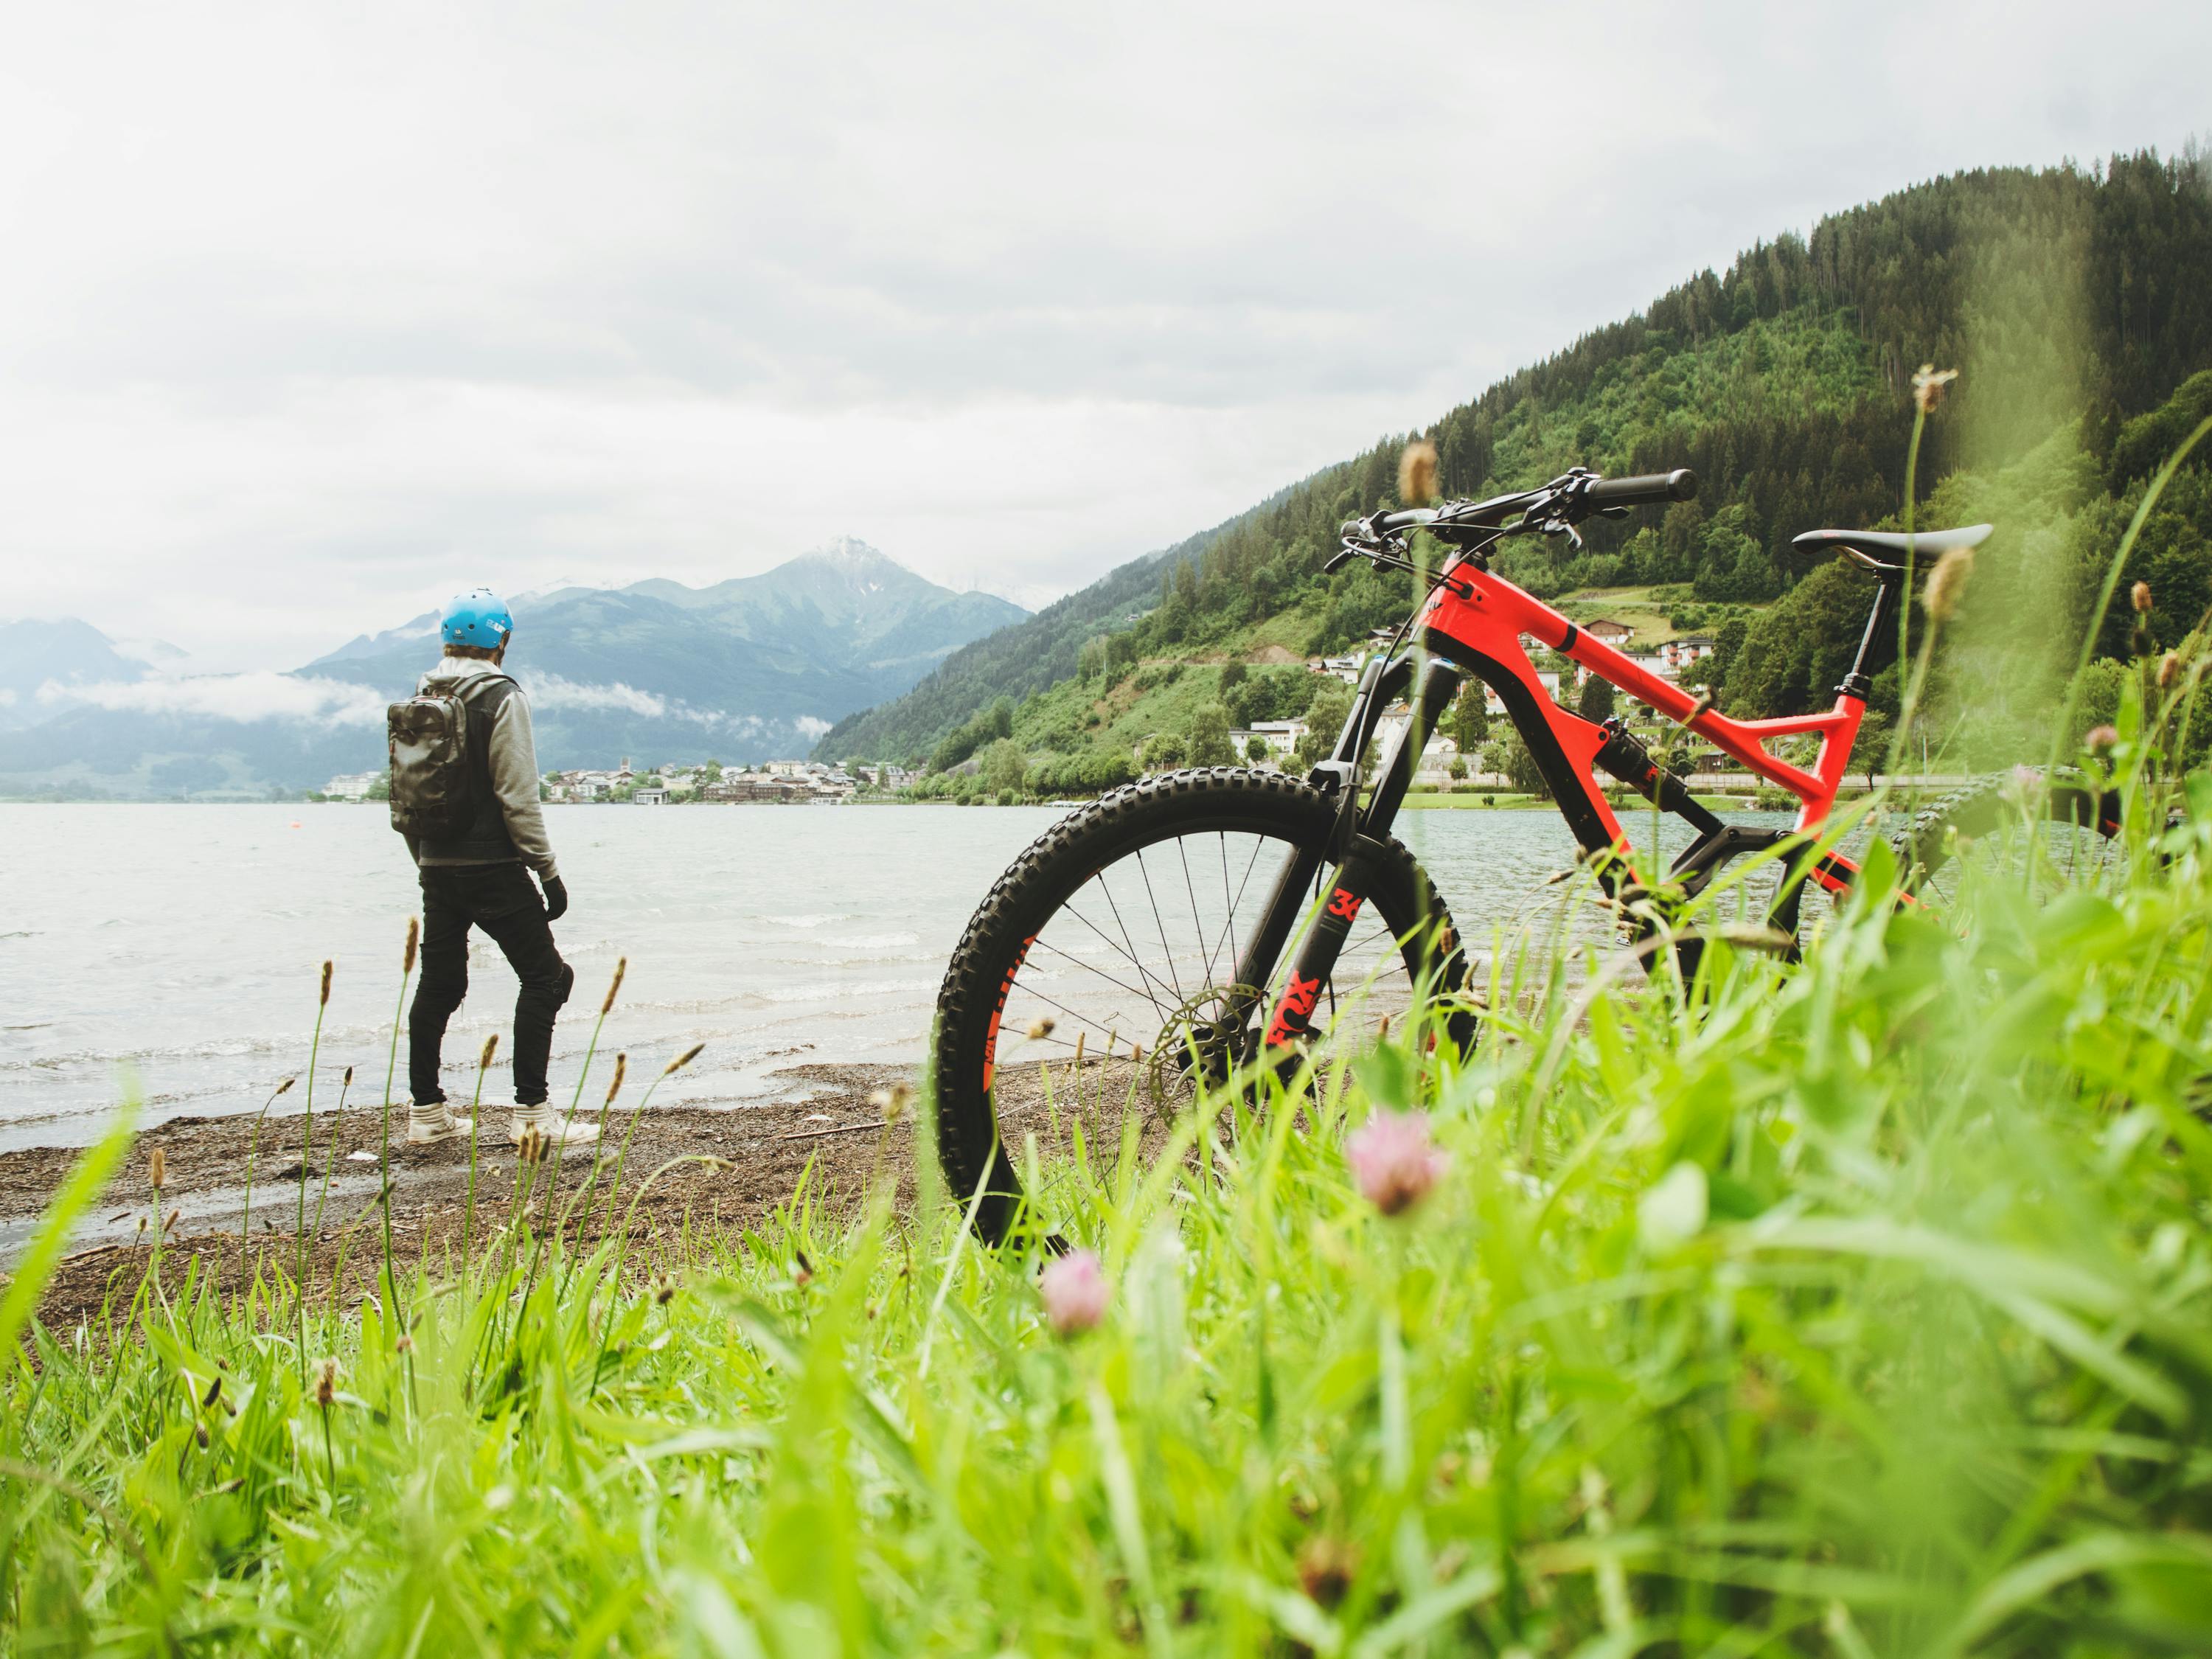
x=1359 y=830
x=1255 y=968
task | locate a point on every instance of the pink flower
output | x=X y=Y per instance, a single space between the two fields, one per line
x=2102 y=740
x=1392 y=1160
x=1074 y=1291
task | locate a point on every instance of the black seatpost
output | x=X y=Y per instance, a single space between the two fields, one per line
x=1857 y=684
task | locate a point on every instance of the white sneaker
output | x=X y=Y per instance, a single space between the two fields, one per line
x=429 y=1125
x=549 y=1129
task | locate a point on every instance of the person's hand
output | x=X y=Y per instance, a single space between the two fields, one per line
x=556 y=898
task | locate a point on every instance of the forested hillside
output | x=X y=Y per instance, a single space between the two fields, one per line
x=2074 y=302
x=1013 y=662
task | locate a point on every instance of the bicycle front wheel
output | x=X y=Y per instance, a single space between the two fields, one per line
x=1105 y=962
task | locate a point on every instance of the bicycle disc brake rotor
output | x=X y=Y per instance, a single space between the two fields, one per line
x=1197 y=1046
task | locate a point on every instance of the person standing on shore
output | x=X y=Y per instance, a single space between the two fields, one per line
x=464 y=794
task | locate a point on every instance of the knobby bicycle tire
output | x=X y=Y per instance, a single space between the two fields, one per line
x=1925 y=845
x=1049 y=873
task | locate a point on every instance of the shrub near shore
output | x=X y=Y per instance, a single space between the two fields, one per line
x=1862 y=1305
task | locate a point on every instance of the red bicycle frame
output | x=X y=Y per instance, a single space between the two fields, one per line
x=1478 y=619
x=1473 y=622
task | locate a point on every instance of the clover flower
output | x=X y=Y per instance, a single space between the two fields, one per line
x=1075 y=1292
x=1392 y=1160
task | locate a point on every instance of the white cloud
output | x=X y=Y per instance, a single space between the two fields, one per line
x=1014 y=293
x=551 y=691
x=257 y=695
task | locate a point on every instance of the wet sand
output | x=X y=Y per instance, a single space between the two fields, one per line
x=743 y=1163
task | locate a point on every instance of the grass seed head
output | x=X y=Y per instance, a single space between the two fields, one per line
x=326 y=1384
x=323 y=996
x=346 y=1082
x=1416 y=473
x=1928 y=386
x=285 y=1087
x=1946 y=583
x=622 y=1070
x=157 y=1167
x=1327 y=1567
x=892 y=1102
x=2139 y=597
x=214 y=1393
x=491 y=1048
x=175 y=1215
x=2102 y=740
x=664 y=1290
x=414 y=940
x=607 y=1002
x=2169 y=669
x=1040 y=1029
x=683 y=1059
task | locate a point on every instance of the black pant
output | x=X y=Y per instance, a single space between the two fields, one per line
x=501 y=899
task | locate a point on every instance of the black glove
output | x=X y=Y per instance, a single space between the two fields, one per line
x=556 y=898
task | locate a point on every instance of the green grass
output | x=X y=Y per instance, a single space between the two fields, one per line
x=1863 y=1306
x=1858 y=1305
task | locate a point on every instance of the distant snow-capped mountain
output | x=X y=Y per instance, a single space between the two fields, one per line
x=744 y=670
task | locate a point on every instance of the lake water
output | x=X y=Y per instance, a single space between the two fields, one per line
x=177 y=948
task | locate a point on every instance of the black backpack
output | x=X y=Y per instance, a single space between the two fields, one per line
x=433 y=796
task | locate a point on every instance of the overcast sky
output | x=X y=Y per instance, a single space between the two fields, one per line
x=311 y=314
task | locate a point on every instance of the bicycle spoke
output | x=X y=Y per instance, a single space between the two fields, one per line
x=1236 y=951
x=1100 y=972
x=1159 y=924
x=1197 y=925
x=1149 y=977
x=1107 y=1031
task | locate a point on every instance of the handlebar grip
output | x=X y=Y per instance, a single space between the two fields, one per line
x=1406 y=521
x=1648 y=489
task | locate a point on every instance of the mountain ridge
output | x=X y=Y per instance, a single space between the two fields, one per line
x=751 y=668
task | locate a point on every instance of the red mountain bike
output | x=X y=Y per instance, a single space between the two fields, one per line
x=1190 y=923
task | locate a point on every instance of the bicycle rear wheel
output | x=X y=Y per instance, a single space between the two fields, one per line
x=1109 y=953
x=1984 y=832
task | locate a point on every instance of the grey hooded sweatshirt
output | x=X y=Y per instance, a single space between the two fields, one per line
x=513 y=769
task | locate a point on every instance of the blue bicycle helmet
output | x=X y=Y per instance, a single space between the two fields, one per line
x=478 y=618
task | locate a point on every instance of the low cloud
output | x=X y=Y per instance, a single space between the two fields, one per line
x=259 y=696
x=551 y=691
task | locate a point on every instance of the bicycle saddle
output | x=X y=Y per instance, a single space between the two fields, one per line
x=1855 y=543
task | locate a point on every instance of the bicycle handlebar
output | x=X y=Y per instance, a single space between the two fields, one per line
x=1411 y=518
x=1558 y=505
x=1648 y=489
